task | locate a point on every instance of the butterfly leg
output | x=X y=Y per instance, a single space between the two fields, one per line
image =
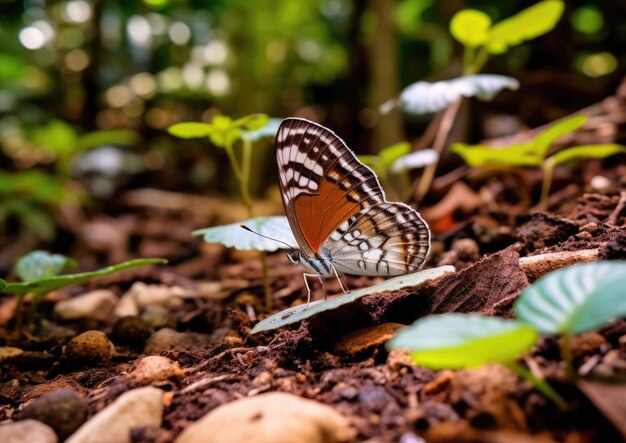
x=321 y=279
x=345 y=291
x=308 y=288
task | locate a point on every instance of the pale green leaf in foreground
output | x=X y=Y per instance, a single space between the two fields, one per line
x=464 y=340
x=234 y=236
x=470 y=27
x=302 y=312
x=586 y=151
x=41 y=264
x=47 y=284
x=528 y=24
x=575 y=299
x=544 y=140
x=190 y=130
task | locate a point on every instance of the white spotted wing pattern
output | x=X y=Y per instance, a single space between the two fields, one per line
x=337 y=209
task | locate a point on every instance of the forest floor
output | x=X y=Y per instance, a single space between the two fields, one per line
x=198 y=312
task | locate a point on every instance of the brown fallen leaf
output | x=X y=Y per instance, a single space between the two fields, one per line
x=609 y=398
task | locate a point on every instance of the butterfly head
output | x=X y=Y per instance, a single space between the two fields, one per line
x=294 y=256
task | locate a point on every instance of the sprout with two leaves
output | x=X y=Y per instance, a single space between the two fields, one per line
x=39 y=272
x=535 y=152
x=224 y=132
x=566 y=302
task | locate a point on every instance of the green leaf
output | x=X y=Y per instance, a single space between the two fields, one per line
x=544 y=140
x=45 y=285
x=190 y=130
x=393 y=152
x=222 y=122
x=57 y=137
x=224 y=137
x=301 y=312
x=480 y=155
x=373 y=162
x=586 y=151
x=530 y=23
x=470 y=27
x=464 y=340
x=252 y=122
x=234 y=236
x=107 y=137
x=575 y=299
x=41 y=264
x=3 y=284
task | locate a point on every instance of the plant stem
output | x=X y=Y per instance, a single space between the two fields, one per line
x=548 y=168
x=539 y=384
x=243 y=179
x=478 y=62
x=566 y=355
x=447 y=120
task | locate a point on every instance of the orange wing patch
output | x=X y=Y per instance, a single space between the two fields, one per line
x=317 y=219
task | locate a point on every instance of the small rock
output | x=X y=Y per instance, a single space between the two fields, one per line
x=276 y=417
x=8 y=353
x=27 y=431
x=96 y=305
x=167 y=339
x=90 y=348
x=601 y=184
x=398 y=360
x=142 y=407
x=132 y=331
x=127 y=306
x=368 y=339
x=154 y=368
x=64 y=411
x=586 y=345
x=158 y=317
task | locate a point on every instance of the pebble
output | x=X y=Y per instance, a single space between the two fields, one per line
x=167 y=339
x=158 y=317
x=142 y=407
x=275 y=417
x=131 y=331
x=27 y=431
x=64 y=411
x=89 y=348
x=141 y=295
x=95 y=305
x=154 y=368
x=7 y=353
x=466 y=249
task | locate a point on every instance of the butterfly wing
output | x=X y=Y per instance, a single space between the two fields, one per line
x=384 y=239
x=322 y=183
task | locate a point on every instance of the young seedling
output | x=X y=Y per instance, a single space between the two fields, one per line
x=225 y=132
x=573 y=300
x=39 y=272
x=459 y=341
x=535 y=152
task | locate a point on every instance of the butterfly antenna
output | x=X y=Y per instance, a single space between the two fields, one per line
x=265 y=236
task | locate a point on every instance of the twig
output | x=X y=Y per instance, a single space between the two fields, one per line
x=612 y=220
x=538 y=265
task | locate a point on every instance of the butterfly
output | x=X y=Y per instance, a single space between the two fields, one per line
x=337 y=209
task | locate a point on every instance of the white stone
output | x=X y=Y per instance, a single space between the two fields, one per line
x=276 y=417
x=141 y=407
x=97 y=305
x=27 y=431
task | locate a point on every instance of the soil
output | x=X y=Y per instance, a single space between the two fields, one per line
x=338 y=357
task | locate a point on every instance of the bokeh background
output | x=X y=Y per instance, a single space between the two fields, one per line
x=88 y=88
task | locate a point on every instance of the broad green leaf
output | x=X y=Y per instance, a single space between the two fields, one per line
x=464 y=340
x=470 y=27
x=222 y=122
x=544 y=140
x=190 y=130
x=252 y=122
x=530 y=23
x=480 y=155
x=586 y=151
x=391 y=153
x=106 y=137
x=224 y=137
x=45 y=285
x=41 y=264
x=575 y=299
x=234 y=236
x=302 y=312
x=3 y=284
x=426 y=97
